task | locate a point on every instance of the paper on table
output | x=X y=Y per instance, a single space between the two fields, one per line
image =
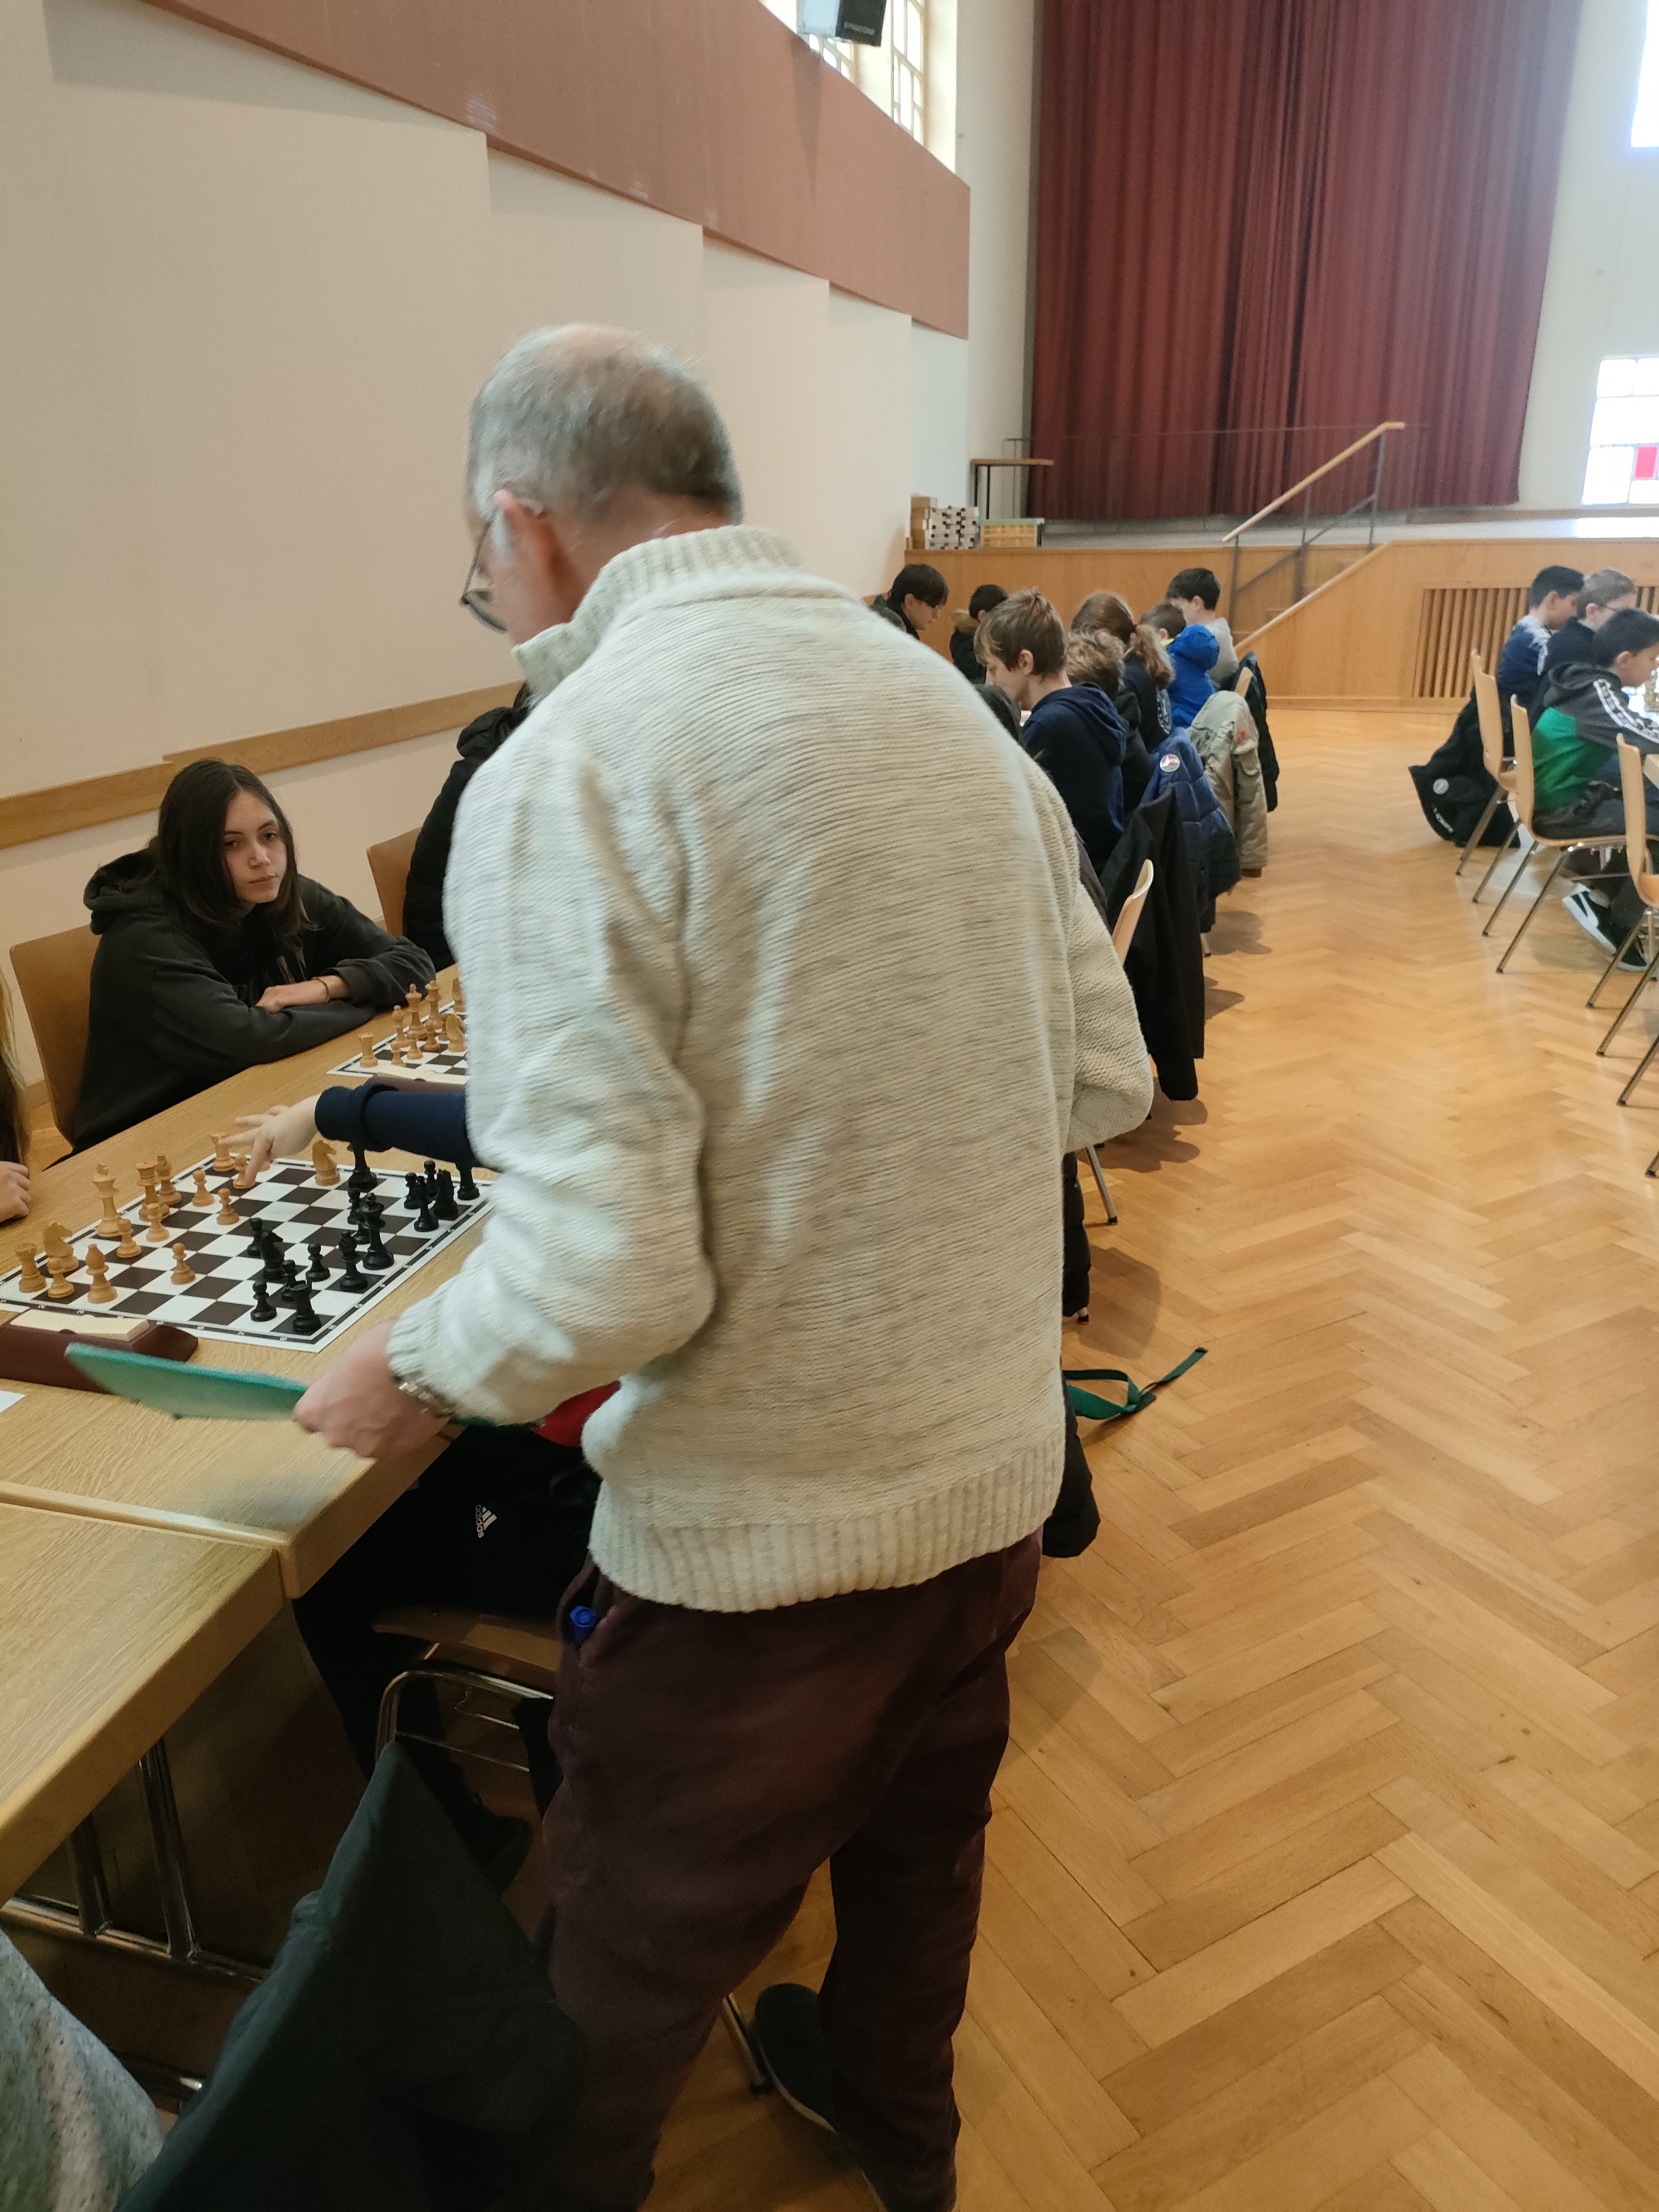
x=10 y=1398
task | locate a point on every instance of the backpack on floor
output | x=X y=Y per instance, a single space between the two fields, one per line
x=1453 y=786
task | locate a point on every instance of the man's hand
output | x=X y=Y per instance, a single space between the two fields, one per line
x=14 y=1191
x=358 y=1408
x=316 y=993
x=285 y=1133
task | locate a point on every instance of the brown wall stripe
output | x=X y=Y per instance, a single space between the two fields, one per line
x=710 y=110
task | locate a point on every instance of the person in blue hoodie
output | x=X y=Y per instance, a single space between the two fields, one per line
x=1073 y=732
x=1193 y=650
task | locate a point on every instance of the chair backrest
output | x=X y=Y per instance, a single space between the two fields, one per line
x=1634 y=785
x=1491 y=719
x=54 y=980
x=1242 y=682
x=1522 y=796
x=389 y=866
x=1128 y=914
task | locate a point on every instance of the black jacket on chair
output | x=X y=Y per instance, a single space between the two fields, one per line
x=1165 y=963
x=423 y=895
x=405 y=2053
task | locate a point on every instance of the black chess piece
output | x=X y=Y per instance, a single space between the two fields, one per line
x=276 y=1259
x=263 y=1309
x=351 y=1276
x=431 y=1173
x=306 y=1320
x=362 y=1176
x=288 y=1290
x=318 y=1271
x=423 y=1221
x=413 y=1188
x=444 y=1204
x=375 y=1257
x=466 y=1189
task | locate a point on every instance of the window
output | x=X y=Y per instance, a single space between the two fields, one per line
x=908 y=107
x=838 y=52
x=1645 y=123
x=1623 y=470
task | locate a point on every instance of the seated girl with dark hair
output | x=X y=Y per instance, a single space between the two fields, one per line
x=216 y=954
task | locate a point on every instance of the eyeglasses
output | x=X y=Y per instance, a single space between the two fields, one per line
x=479 y=598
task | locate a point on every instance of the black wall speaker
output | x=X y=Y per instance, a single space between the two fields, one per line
x=860 y=21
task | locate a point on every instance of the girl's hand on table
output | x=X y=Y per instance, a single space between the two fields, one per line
x=285 y=1133
x=13 y=1190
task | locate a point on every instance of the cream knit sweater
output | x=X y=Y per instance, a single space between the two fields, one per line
x=783 y=1002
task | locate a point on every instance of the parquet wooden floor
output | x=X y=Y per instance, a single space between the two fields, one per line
x=1325 y=1866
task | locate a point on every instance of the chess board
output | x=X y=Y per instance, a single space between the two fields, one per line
x=218 y=1303
x=444 y=1067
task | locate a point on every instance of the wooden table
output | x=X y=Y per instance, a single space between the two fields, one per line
x=107 y=1633
x=262 y=1483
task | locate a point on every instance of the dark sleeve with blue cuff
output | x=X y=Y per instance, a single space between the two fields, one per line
x=387 y=1117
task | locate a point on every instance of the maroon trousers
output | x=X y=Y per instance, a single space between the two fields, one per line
x=712 y=1763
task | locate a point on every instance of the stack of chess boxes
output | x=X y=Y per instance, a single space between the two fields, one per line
x=935 y=528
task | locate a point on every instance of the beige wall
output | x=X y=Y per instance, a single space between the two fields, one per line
x=996 y=65
x=245 y=307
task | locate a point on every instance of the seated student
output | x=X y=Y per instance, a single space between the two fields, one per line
x=1095 y=656
x=1147 y=671
x=1074 y=735
x=215 y=954
x=1197 y=592
x=1577 y=790
x=1193 y=652
x=1605 y=592
x=499 y=1522
x=1550 y=607
x=964 y=627
x=423 y=895
x=14 y=1134
x=912 y=600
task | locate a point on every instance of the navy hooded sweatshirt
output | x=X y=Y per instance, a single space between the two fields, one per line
x=1076 y=737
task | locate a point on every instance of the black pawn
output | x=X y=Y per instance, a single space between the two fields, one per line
x=306 y=1320
x=423 y=1220
x=444 y=1205
x=362 y=1176
x=351 y=1276
x=318 y=1271
x=263 y=1309
x=413 y=1188
x=466 y=1190
x=376 y=1258
x=288 y=1289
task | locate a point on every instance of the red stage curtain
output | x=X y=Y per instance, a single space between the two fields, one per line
x=1265 y=225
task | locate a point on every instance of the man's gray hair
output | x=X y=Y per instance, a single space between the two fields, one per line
x=569 y=418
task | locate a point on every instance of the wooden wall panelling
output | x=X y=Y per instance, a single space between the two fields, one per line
x=709 y=111
x=27 y=816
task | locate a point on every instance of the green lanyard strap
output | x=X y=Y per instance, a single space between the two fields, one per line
x=1102 y=1409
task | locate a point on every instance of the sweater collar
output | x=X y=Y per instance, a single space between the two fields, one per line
x=696 y=564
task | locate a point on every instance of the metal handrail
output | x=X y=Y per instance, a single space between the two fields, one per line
x=1335 y=462
x=1370 y=504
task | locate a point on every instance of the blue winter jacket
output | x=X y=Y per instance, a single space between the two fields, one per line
x=1210 y=845
x=1194 y=654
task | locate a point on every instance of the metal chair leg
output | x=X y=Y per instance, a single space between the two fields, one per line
x=1100 y=1184
x=1642 y=982
x=1503 y=896
x=1646 y=1063
x=1478 y=831
x=1560 y=862
x=1492 y=863
x=1612 y=964
x=759 y=2080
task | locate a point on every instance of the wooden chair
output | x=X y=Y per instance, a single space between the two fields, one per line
x=503 y=1658
x=1123 y=930
x=1522 y=803
x=1633 y=785
x=389 y=866
x=1491 y=712
x=54 y=979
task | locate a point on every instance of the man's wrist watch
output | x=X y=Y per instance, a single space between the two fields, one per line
x=428 y=1400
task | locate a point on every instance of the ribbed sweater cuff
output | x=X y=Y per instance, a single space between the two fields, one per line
x=754 y=1568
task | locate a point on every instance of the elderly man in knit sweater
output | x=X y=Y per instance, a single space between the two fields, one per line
x=784 y=1002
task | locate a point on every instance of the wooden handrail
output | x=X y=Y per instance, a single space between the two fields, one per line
x=1335 y=462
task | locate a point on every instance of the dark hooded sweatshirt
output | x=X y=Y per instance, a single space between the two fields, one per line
x=171 y=1015
x=1076 y=737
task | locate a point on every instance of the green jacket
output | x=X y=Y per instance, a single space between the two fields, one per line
x=1575 y=739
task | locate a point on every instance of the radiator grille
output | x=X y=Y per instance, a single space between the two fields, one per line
x=1464 y=618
